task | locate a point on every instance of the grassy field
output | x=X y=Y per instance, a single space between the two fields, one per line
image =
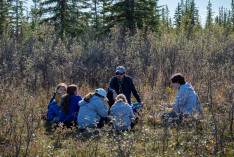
x=25 y=133
x=31 y=69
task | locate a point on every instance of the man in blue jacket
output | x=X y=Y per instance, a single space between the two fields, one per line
x=123 y=84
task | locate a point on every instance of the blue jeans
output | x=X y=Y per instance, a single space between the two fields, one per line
x=136 y=107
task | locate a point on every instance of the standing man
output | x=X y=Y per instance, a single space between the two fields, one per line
x=123 y=84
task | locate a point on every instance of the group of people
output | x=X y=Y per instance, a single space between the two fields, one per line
x=91 y=111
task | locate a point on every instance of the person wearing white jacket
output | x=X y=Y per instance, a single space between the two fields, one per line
x=92 y=109
x=122 y=114
x=187 y=101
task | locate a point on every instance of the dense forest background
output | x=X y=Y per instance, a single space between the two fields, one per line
x=82 y=42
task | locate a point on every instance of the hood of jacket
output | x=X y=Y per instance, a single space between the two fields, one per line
x=186 y=86
x=118 y=106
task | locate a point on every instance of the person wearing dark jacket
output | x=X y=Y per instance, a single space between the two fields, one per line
x=123 y=84
x=54 y=109
x=60 y=88
x=70 y=107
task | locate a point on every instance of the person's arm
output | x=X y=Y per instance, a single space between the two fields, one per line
x=112 y=85
x=52 y=98
x=57 y=111
x=101 y=108
x=133 y=89
x=132 y=116
x=170 y=105
x=181 y=98
x=50 y=113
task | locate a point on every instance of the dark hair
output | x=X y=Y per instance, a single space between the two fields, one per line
x=178 y=78
x=71 y=89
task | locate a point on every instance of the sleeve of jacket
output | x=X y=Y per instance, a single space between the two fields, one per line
x=181 y=98
x=101 y=108
x=112 y=84
x=132 y=116
x=51 y=100
x=50 y=113
x=57 y=111
x=133 y=89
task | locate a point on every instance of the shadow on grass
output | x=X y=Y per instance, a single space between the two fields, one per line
x=48 y=127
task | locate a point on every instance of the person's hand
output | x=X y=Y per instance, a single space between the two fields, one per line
x=173 y=111
x=114 y=94
x=141 y=103
x=170 y=105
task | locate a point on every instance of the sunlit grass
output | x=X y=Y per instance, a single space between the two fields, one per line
x=205 y=60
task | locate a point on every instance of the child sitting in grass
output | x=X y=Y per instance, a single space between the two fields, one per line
x=69 y=106
x=61 y=88
x=187 y=103
x=93 y=110
x=122 y=114
x=54 y=109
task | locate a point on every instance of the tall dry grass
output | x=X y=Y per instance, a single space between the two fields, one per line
x=30 y=69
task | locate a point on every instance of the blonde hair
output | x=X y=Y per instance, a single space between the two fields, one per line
x=90 y=95
x=120 y=98
x=61 y=85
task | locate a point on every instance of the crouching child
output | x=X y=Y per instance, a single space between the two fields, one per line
x=93 y=110
x=122 y=114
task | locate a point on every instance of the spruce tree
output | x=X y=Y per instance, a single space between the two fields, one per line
x=17 y=18
x=232 y=14
x=95 y=14
x=209 y=19
x=178 y=16
x=4 y=12
x=132 y=14
x=66 y=15
x=165 y=20
x=35 y=13
x=190 y=19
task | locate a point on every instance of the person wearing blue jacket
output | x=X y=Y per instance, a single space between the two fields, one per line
x=123 y=84
x=186 y=102
x=92 y=109
x=69 y=106
x=60 y=88
x=54 y=109
x=122 y=114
